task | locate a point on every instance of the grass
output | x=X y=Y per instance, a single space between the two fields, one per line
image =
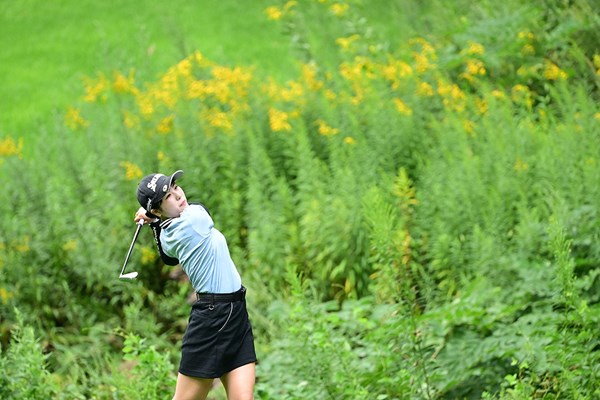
x=48 y=47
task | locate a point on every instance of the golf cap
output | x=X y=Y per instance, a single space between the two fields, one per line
x=154 y=187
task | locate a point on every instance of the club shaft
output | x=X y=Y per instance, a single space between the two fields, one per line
x=135 y=236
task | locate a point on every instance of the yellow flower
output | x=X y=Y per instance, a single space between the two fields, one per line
x=132 y=171
x=527 y=50
x=165 y=125
x=5 y=295
x=325 y=129
x=521 y=94
x=474 y=49
x=145 y=105
x=525 y=35
x=453 y=97
x=130 y=120
x=481 y=105
x=161 y=156
x=149 y=255
x=475 y=67
x=273 y=13
x=552 y=72
x=597 y=115
x=295 y=91
x=309 y=74
x=338 y=9
x=498 y=94
x=402 y=107
x=95 y=89
x=278 y=120
x=520 y=165
x=469 y=126
x=184 y=68
x=74 y=120
x=219 y=119
x=346 y=42
x=70 y=245
x=124 y=84
x=23 y=246
x=8 y=147
x=349 y=140
x=425 y=89
x=422 y=63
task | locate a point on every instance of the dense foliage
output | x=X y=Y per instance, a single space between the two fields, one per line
x=415 y=215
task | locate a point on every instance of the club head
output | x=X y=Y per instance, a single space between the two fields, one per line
x=131 y=275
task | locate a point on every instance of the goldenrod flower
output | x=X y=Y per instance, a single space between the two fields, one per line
x=124 y=84
x=339 y=9
x=469 y=126
x=95 y=89
x=453 y=97
x=425 y=89
x=10 y=147
x=325 y=129
x=165 y=125
x=219 y=119
x=521 y=94
x=132 y=171
x=475 y=67
x=130 y=120
x=346 y=42
x=5 y=295
x=552 y=72
x=520 y=165
x=596 y=60
x=149 y=255
x=74 y=120
x=70 y=245
x=22 y=246
x=474 y=49
x=527 y=50
x=525 y=35
x=273 y=13
x=278 y=120
x=145 y=104
x=330 y=95
x=309 y=75
x=295 y=91
x=422 y=63
x=481 y=105
x=184 y=68
x=498 y=94
x=402 y=107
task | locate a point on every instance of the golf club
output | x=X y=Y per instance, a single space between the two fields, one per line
x=131 y=275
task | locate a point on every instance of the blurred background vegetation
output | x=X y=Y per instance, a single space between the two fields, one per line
x=409 y=189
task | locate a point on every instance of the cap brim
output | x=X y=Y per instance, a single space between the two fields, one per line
x=175 y=176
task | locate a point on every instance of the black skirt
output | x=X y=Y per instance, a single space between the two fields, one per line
x=218 y=339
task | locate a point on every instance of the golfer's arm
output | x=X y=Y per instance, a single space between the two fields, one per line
x=166 y=259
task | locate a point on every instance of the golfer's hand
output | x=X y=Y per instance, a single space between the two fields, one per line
x=141 y=215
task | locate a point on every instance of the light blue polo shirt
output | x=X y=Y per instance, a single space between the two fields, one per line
x=201 y=250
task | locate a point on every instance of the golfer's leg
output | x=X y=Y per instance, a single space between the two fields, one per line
x=239 y=383
x=189 y=388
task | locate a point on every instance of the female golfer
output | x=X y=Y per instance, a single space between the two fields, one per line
x=218 y=342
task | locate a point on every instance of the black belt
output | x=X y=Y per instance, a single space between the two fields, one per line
x=222 y=297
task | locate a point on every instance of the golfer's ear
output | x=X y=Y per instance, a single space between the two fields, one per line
x=156 y=212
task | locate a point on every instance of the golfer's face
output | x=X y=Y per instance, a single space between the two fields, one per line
x=174 y=202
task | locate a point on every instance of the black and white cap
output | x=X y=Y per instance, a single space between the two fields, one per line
x=154 y=187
